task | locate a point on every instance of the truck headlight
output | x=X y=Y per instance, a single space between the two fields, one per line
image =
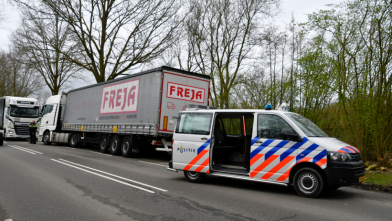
x=337 y=156
x=10 y=132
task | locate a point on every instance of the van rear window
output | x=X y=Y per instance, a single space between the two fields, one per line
x=194 y=123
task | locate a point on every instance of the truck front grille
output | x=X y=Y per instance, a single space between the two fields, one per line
x=22 y=130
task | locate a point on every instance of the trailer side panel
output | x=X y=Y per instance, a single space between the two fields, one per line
x=126 y=106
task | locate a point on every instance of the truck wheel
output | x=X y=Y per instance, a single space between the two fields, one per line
x=73 y=140
x=308 y=182
x=103 y=144
x=126 y=147
x=115 y=145
x=46 y=138
x=1 y=139
x=194 y=177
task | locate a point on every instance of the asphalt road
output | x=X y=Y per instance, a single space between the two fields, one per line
x=40 y=182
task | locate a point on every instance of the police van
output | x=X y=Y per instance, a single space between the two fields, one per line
x=270 y=146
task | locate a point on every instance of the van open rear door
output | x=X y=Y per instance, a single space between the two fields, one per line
x=191 y=147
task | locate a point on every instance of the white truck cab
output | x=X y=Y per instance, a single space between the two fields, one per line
x=270 y=146
x=16 y=113
x=52 y=112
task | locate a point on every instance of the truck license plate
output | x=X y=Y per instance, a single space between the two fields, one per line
x=361 y=179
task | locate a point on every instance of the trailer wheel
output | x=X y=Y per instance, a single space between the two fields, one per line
x=194 y=177
x=126 y=147
x=308 y=182
x=46 y=138
x=103 y=144
x=115 y=145
x=1 y=139
x=73 y=140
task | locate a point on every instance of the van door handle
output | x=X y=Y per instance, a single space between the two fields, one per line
x=203 y=138
x=259 y=141
x=47 y=122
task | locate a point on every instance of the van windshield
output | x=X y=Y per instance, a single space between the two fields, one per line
x=307 y=126
x=24 y=112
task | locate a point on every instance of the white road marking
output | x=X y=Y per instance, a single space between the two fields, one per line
x=102 y=153
x=106 y=177
x=157 y=164
x=8 y=220
x=28 y=149
x=22 y=149
x=123 y=178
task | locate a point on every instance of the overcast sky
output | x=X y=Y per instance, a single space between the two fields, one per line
x=299 y=7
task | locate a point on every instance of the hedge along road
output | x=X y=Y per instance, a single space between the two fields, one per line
x=59 y=183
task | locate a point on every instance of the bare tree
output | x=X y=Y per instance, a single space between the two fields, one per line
x=113 y=37
x=221 y=36
x=17 y=79
x=42 y=37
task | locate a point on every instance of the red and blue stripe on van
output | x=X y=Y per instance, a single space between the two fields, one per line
x=202 y=153
x=348 y=149
x=280 y=165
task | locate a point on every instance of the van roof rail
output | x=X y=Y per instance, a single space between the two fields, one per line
x=191 y=107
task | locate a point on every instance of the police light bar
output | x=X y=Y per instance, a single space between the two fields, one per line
x=268 y=107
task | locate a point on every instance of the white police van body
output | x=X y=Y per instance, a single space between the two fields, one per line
x=270 y=146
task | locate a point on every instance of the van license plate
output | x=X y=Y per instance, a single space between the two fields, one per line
x=361 y=179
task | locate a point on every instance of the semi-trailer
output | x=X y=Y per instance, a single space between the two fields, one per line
x=126 y=115
x=16 y=113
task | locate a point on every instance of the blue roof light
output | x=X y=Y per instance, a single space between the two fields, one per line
x=268 y=107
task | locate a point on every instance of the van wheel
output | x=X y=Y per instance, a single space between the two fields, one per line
x=115 y=145
x=1 y=139
x=73 y=140
x=308 y=182
x=46 y=138
x=103 y=144
x=194 y=177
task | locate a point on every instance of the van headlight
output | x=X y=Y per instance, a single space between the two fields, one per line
x=337 y=156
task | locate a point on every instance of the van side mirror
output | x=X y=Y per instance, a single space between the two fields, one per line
x=290 y=135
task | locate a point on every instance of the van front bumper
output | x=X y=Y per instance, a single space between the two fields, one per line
x=344 y=173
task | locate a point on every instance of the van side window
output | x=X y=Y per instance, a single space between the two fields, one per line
x=194 y=123
x=232 y=126
x=270 y=126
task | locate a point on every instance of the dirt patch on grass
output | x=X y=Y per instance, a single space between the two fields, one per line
x=373 y=187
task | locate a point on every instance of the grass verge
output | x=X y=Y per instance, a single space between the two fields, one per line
x=383 y=179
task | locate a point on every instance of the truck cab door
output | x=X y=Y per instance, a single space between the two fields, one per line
x=192 y=140
x=48 y=115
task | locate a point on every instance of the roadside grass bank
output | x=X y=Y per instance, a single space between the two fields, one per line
x=377 y=181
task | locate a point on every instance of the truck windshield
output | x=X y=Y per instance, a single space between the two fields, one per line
x=307 y=126
x=24 y=112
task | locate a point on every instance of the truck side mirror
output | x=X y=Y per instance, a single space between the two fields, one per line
x=290 y=135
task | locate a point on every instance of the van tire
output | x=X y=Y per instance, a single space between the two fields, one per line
x=115 y=145
x=46 y=138
x=194 y=177
x=103 y=144
x=1 y=139
x=73 y=140
x=308 y=182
